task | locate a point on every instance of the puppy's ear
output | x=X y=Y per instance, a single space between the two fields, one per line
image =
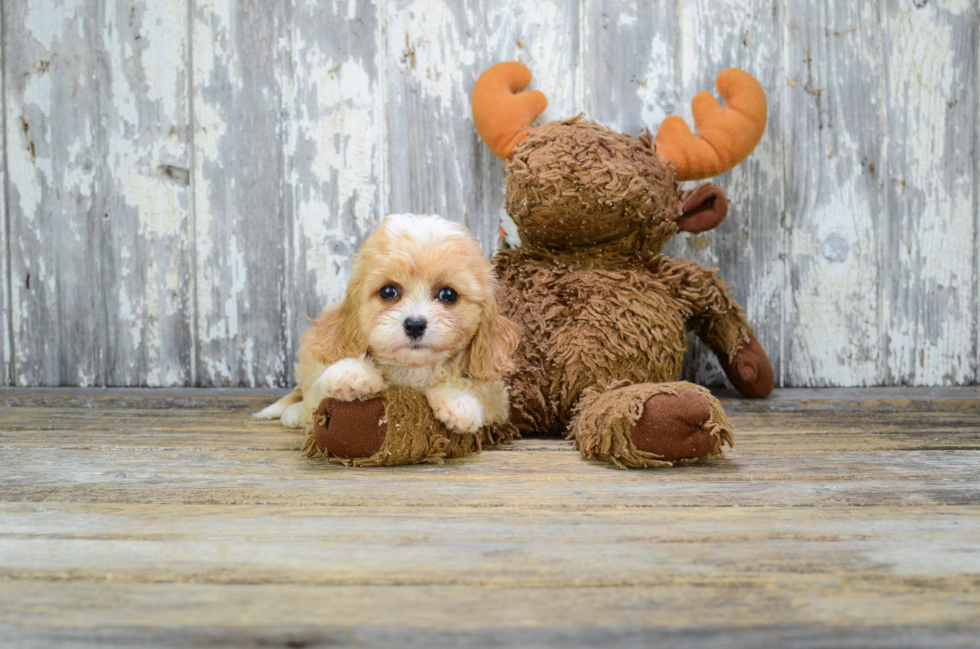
x=337 y=334
x=493 y=345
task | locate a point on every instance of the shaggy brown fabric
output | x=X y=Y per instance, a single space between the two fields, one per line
x=574 y=184
x=412 y=434
x=587 y=326
x=603 y=313
x=606 y=419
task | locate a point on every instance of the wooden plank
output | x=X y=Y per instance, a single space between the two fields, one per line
x=278 y=475
x=253 y=399
x=204 y=526
x=6 y=341
x=335 y=148
x=145 y=118
x=56 y=211
x=62 y=429
x=238 y=175
x=594 y=548
x=630 y=53
x=749 y=247
x=834 y=192
x=435 y=51
x=928 y=257
x=869 y=566
x=887 y=399
x=567 y=634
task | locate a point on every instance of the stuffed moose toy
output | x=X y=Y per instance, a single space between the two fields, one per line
x=603 y=314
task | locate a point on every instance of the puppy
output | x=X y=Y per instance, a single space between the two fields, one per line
x=420 y=312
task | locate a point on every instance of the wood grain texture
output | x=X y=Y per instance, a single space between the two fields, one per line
x=302 y=634
x=203 y=526
x=436 y=50
x=239 y=53
x=749 y=247
x=929 y=236
x=6 y=312
x=144 y=108
x=335 y=147
x=55 y=207
x=834 y=192
x=185 y=180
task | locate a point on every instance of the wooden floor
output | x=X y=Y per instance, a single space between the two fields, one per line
x=843 y=518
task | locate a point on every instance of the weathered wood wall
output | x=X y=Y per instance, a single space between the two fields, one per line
x=183 y=180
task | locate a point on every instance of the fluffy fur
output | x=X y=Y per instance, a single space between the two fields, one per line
x=360 y=347
x=602 y=313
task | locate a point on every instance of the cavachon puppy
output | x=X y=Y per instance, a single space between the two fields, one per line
x=420 y=312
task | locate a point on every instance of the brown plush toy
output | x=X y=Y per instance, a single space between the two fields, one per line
x=604 y=313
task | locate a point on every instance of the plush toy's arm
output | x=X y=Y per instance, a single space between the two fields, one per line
x=720 y=322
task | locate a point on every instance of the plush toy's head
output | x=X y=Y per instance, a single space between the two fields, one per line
x=576 y=184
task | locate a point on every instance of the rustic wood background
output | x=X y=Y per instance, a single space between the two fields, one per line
x=183 y=180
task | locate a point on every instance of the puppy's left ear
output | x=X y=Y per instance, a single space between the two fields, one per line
x=493 y=345
x=337 y=334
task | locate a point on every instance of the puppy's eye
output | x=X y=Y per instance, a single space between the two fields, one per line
x=448 y=295
x=388 y=292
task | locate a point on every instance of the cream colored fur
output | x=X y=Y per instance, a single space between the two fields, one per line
x=358 y=348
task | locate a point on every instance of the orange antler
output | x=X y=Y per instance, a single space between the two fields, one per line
x=726 y=136
x=501 y=112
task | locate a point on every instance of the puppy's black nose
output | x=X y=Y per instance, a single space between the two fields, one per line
x=415 y=327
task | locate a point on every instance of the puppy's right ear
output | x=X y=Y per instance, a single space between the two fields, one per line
x=337 y=334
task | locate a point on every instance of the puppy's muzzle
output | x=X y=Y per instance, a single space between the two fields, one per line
x=415 y=327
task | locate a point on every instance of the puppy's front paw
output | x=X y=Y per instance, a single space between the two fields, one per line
x=460 y=411
x=350 y=379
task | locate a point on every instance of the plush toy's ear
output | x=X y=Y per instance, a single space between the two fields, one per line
x=337 y=334
x=493 y=345
x=703 y=208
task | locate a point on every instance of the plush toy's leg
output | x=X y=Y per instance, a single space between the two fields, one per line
x=397 y=427
x=650 y=424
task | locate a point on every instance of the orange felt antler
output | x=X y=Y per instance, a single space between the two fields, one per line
x=726 y=136
x=501 y=112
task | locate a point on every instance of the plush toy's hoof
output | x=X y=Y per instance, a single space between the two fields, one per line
x=395 y=428
x=350 y=429
x=750 y=371
x=671 y=426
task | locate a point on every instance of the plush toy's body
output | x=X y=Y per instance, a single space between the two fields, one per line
x=603 y=314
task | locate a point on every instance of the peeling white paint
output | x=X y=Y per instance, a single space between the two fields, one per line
x=931 y=199
x=859 y=277
x=47 y=25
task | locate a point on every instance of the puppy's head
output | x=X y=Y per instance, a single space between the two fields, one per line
x=421 y=292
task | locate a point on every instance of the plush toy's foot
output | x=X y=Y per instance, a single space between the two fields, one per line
x=395 y=428
x=650 y=424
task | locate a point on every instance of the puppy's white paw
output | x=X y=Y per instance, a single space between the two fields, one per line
x=350 y=379
x=274 y=411
x=460 y=411
x=269 y=412
x=294 y=416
